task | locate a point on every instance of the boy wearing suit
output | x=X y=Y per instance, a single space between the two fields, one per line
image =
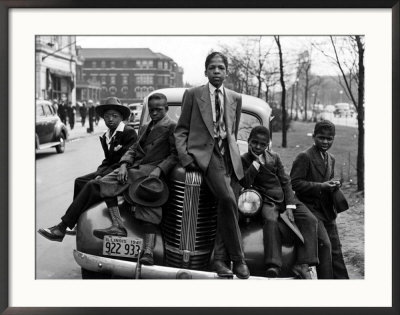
x=153 y=154
x=312 y=179
x=115 y=142
x=264 y=171
x=205 y=138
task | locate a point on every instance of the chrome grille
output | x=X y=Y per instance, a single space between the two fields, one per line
x=189 y=223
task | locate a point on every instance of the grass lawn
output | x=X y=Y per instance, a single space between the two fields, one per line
x=351 y=222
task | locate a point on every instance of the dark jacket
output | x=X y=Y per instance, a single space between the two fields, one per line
x=157 y=149
x=271 y=181
x=121 y=142
x=308 y=173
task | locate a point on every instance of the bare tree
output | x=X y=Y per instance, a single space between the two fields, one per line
x=283 y=99
x=348 y=56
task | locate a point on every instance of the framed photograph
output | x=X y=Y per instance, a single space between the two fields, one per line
x=73 y=56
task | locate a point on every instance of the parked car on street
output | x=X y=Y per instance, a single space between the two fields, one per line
x=136 y=111
x=50 y=131
x=185 y=239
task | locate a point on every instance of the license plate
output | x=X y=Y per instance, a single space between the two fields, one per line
x=121 y=246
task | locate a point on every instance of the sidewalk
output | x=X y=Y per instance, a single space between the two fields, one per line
x=80 y=132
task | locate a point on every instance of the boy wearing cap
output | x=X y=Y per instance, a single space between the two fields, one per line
x=264 y=171
x=312 y=179
x=115 y=142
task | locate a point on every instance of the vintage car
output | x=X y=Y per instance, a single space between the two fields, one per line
x=136 y=112
x=50 y=131
x=186 y=236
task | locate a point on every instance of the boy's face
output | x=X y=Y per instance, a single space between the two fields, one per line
x=216 y=71
x=323 y=140
x=157 y=109
x=258 y=143
x=112 y=118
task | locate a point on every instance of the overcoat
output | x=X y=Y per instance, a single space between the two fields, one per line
x=308 y=173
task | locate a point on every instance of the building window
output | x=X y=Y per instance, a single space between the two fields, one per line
x=125 y=80
x=103 y=64
x=166 y=81
x=113 y=80
x=94 y=64
x=138 y=63
x=104 y=89
x=112 y=64
x=150 y=63
x=103 y=79
x=144 y=79
x=124 y=90
x=165 y=65
x=125 y=63
x=113 y=90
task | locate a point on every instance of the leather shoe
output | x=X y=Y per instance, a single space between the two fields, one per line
x=272 y=272
x=240 y=269
x=222 y=269
x=302 y=271
x=71 y=231
x=112 y=230
x=53 y=234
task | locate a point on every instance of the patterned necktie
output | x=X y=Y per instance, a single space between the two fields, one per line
x=219 y=116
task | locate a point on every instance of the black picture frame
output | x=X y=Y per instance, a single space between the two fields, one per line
x=6 y=5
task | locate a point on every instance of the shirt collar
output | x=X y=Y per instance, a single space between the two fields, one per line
x=212 y=88
x=120 y=127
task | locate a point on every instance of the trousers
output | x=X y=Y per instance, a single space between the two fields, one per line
x=228 y=243
x=82 y=181
x=331 y=263
x=307 y=253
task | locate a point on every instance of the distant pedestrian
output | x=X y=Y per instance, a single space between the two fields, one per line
x=71 y=114
x=91 y=111
x=55 y=105
x=62 y=112
x=83 y=112
x=96 y=117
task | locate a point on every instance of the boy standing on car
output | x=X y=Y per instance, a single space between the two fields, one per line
x=205 y=139
x=312 y=179
x=264 y=171
x=153 y=154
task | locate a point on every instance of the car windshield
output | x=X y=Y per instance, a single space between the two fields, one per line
x=247 y=120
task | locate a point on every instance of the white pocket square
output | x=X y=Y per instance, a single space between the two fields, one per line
x=117 y=147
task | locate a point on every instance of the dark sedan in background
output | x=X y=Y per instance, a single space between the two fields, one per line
x=50 y=131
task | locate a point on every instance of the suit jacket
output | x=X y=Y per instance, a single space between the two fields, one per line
x=157 y=148
x=119 y=145
x=308 y=173
x=194 y=133
x=271 y=180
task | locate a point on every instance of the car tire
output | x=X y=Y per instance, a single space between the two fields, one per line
x=88 y=274
x=61 y=147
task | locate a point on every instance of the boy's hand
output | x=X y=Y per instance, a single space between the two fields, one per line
x=122 y=174
x=259 y=158
x=289 y=212
x=156 y=172
x=98 y=177
x=329 y=186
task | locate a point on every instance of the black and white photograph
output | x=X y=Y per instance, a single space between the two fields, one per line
x=117 y=197
x=243 y=160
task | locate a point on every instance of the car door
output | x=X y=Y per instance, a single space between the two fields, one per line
x=40 y=123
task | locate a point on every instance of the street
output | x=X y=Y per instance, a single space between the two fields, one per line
x=55 y=175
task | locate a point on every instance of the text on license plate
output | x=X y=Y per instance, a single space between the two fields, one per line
x=121 y=246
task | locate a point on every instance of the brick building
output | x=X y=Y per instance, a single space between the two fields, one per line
x=129 y=73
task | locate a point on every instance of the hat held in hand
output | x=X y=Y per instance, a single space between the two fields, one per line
x=148 y=191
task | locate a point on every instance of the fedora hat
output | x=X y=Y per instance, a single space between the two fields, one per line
x=147 y=191
x=115 y=104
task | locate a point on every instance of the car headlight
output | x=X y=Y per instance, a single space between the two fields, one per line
x=249 y=202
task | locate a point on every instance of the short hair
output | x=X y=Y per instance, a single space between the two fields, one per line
x=324 y=125
x=214 y=54
x=259 y=130
x=158 y=96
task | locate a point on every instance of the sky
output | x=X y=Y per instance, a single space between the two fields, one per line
x=190 y=51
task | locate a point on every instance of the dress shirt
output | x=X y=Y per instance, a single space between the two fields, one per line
x=109 y=137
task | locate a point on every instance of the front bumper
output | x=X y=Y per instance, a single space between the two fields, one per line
x=127 y=269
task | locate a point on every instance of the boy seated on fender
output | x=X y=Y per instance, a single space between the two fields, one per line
x=263 y=171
